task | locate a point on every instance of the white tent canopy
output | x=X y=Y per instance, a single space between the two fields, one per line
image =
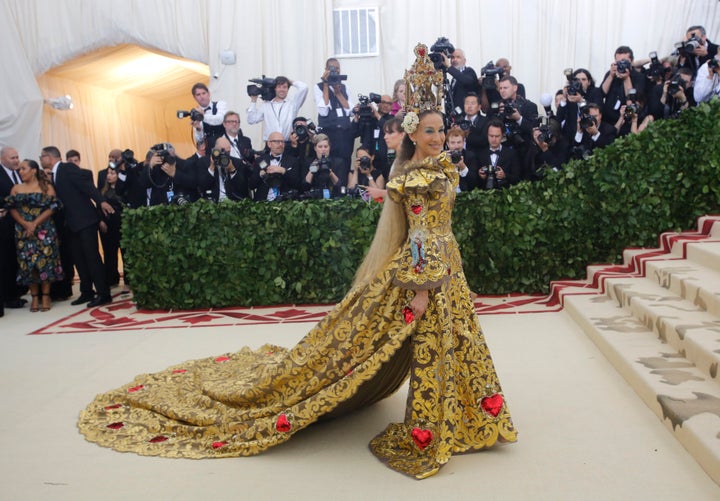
x=90 y=50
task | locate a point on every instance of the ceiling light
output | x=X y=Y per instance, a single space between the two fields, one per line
x=60 y=103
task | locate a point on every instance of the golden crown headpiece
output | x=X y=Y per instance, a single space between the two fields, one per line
x=423 y=84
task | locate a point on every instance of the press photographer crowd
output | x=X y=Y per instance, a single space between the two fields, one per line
x=52 y=212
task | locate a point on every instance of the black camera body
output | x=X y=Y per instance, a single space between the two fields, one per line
x=195 y=115
x=676 y=84
x=441 y=46
x=689 y=46
x=364 y=109
x=489 y=74
x=264 y=87
x=491 y=172
x=221 y=157
x=128 y=158
x=587 y=121
x=575 y=88
x=163 y=151
x=334 y=76
x=623 y=66
x=321 y=165
x=456 y=156
x=546 y=134
x=365 y=164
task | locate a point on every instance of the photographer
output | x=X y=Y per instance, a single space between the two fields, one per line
x=115 y=161
x=464 y=160
x=707 y=81
x=133 y=179
x=618 y=82
x=591 y=132
x=695 y=50
x=240 y=145
x=300 y=144
x=519 y=115
x=675 y=95
x=364 y=174
x=274 y=174
x=321 y=180
x=279 y=112
x=548 y=150
x=464 y=79
x=474 y=124
x=499 y=165
x=370 y=127
x=168 y=177
x=222 y=176
x=110 y=226
x=207 y=121
x=580 y=89
x=334 y=112
x=634 y=116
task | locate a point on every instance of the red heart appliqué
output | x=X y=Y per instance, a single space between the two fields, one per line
x=179 y=371
x=158 y=439
x=493 y=404
x=217 y=445
x=135 y=389
x=222 y=359
x=115 y=426
x=421 y=437
x=417 y=209
x=283 y=425
x=408 y=315
x=112 y=407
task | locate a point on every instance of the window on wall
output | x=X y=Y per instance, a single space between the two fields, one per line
x=356 y=32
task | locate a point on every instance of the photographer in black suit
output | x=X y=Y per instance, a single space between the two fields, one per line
x=618 y=82
x=75 y=188
x=464 y=160
x=170 y=179
x=464 y=79
x=335 y=106
x=275 y=173
x=222 y=176
x=591 y=132
x=499 y=165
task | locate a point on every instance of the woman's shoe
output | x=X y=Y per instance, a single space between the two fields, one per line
x=35 y=304
x=46 y=303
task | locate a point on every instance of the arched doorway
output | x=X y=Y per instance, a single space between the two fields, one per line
x=124 y=96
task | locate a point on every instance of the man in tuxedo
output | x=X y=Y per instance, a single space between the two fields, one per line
x=499 y=165
x=618 y=82
x=75 y=189
x=476 y=124
x=464 y=78
x=169 y=179
x=240 y=146
x=223 y=176
x=592 y=132
x=702 y=49
x=10 y=292
x=463 y=159
x=274 y=173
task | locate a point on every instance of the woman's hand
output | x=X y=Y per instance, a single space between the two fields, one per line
x=419 y=303
x=30 y=228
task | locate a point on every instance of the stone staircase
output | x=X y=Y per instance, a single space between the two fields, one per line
x=657 y=320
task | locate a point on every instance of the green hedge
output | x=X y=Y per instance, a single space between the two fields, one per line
x=515 y=240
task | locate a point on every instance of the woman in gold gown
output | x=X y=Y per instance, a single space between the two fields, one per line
x=408 y=314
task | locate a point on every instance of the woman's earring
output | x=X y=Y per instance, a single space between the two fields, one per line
x=414 y=143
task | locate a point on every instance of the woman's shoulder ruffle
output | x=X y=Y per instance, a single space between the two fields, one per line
x=426 y=176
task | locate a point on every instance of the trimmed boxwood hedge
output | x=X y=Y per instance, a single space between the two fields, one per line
x=516 y=240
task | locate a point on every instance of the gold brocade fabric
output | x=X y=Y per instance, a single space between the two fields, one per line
x=245 y=402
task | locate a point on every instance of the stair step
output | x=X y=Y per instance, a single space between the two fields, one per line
x=686 y=399
x=685 y=327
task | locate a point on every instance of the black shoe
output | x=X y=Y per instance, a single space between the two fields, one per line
x=100 y=300
x=84 y=298
x=16 y=303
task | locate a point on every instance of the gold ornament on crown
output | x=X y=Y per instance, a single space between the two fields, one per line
x=423 y=83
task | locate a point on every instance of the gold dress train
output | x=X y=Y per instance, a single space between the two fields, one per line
x=242 y=403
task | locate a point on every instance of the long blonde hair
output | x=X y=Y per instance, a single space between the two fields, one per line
x=392 y=226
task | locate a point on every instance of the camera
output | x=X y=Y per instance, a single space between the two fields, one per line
x=456 y=156
x=587 y=121
x=321 y=165
x=441 y=46
x=273 y=180
x=458 y=118
x=713 y=64
x=195 y=115
x=491 y=172
x=489 y=74
x=221 y=157
x=580 y=152
x=365 y=164
x=676 y=84
x=631 y=110
x=364 y=109
x=689 y=46
x=546 y=133
x=623 y=66
x=334 y=76
x=180 y=199
x=163 y=151
x=509 y=108
x=265 y=88
x=656 y=68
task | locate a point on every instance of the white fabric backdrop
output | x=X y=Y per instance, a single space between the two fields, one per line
x=293 y=38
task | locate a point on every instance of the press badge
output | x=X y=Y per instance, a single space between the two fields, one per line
x=170 y=195
x=339 y=112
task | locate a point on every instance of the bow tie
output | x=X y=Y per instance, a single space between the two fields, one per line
x=208 y=108
x=275 y=158
x=494 y=151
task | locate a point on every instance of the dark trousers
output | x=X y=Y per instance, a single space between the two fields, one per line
x=63 y=288
x=84 y=246
x=111 y=245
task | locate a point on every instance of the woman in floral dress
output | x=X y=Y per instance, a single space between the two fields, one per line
x=32 y=204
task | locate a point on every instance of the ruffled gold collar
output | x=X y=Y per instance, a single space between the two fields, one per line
x=441 y=162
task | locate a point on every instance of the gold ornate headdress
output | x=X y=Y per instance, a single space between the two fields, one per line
x=423 y=88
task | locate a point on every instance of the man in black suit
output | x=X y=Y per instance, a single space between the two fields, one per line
x=463 y=159
x=475 y=123
x=75 y=189
x=10 y=292
x=274 y=173
x=464 y=78
x=592 y=132
x=499 y=165
x=696 y=49
x=115 y=160
x=169 y=178
x=618 y=82
x=240 y=145
x=223 y=176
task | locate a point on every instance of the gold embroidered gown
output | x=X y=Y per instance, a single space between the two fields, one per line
x=242 y=403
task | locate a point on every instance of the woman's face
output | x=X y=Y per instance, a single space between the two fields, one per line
x=429 y=137
x=394 y=138
x=26 y=172
x=322 y=148
x=112 y=176
x=401 y=93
